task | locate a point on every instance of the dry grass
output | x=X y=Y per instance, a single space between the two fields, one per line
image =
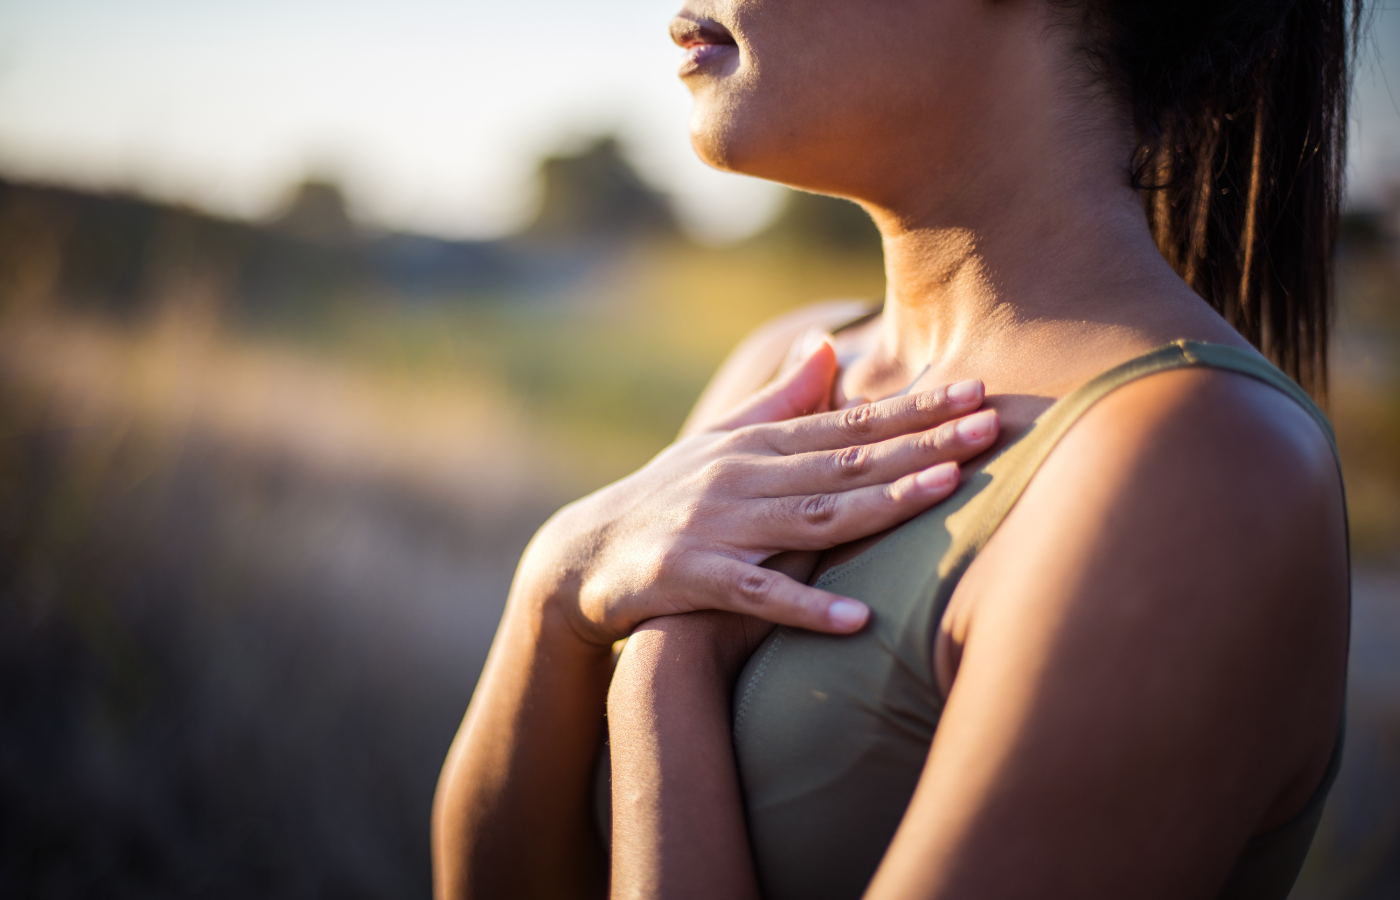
x=249 y=577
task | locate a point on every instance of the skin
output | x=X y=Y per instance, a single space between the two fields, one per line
x=1145 y=665
x=512 y=815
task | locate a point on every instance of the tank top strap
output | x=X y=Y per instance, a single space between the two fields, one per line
x=1013 y=469
x=1219 y=356
x=870 y=312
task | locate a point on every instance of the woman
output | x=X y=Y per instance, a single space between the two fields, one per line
x=1106 y=658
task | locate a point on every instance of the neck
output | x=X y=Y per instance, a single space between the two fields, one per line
x=1025 y=234
x=1031 y=265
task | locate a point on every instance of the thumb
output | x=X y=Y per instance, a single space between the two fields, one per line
x=802 y=390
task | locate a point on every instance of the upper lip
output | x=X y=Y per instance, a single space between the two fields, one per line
x=688 y=32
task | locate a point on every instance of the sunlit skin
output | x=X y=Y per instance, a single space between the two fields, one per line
x=1144 y=667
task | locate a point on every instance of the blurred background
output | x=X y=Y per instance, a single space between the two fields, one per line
x=311 y=312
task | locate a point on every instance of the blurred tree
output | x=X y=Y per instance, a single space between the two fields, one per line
x=597 y=194
x=31 y=249
x=816 y=222
x=316 y=210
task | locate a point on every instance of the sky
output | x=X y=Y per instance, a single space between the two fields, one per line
x=432 y=114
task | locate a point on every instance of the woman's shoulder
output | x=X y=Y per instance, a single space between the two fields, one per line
x=1185 y=543
x=1197 y=470
x=1204 y=423
x=1235 y=474
x=758 y=357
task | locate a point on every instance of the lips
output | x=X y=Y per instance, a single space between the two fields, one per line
x=705 y=42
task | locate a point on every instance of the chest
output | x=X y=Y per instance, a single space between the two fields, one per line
x=831 y=733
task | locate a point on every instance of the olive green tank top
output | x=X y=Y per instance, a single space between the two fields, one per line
x=831 y=733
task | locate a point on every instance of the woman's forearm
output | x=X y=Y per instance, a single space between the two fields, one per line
x=512 y=816
x=678 y=821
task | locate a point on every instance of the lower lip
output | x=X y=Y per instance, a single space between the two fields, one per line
x=701 y=56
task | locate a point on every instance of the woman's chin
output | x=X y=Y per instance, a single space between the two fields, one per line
x=733 y=151
x=712 y=153
x=731 y=143
x=715 y=143
x=742 y=132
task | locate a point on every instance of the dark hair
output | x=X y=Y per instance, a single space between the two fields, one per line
x=1240 y=108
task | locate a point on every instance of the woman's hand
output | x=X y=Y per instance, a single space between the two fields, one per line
x=512 y=816
x=690 y=530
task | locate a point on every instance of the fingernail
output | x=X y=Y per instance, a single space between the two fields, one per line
x=937 y=477
x=965 y=391
x=813 y=341
x=847 y=614
x=977 y=426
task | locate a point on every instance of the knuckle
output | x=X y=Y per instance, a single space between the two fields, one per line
x=756 y=587
x=734 y=441
x=926 y=402
x=858 y=421
x=851 y=462
x=929 y=442
x=760 y=438
x=719 y=472
x=818 y=510
x=740 y=438
x=667 y=565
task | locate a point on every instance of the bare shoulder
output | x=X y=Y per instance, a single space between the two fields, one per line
x=1212 y=472
x=1227 y=465
x=1205 y=444
x=1214 y=467
x=1164 y=611
x=759 y=355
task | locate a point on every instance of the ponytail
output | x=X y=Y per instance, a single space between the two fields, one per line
x=1240 y=108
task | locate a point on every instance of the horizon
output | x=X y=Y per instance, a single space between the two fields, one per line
x=431 y=116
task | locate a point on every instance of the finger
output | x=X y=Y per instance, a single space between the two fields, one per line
x=862 y=465
x=872 y=422
x=812 y=338
x=801 y=391
x=774 y=597
x=820 y=521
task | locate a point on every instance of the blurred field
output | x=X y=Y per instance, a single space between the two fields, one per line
x=254 y=549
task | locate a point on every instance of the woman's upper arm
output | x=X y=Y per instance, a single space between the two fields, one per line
x=758 y=357
x=1153 y=656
